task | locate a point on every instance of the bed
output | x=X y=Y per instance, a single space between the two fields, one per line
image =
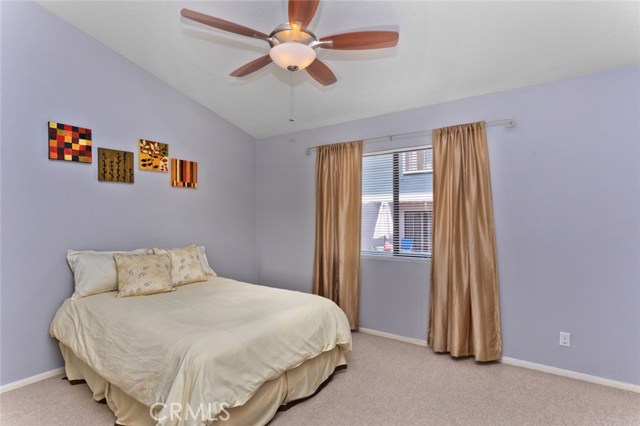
x=212 y=352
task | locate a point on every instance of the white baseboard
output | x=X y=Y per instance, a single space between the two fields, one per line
x=393 y=336
x=29 y=380
x=571 y=374
x=525 y=364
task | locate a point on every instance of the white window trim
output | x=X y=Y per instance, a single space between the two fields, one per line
x=396 y=258
x=415 y=172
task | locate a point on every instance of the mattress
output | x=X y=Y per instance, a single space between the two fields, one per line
x=209 y=346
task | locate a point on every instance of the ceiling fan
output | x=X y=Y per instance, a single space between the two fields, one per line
x=293 y=45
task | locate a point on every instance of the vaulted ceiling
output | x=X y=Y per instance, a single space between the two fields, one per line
x=447 y=51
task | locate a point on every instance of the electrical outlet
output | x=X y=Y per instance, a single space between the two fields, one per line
x=565 y=339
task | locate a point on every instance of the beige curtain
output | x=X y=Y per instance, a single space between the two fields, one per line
x=464 y=309
x=336 y=269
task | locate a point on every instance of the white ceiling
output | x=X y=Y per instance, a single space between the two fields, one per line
x=447 y=51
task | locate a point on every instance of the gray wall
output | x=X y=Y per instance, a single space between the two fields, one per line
x=51 y=71
x=566 y=189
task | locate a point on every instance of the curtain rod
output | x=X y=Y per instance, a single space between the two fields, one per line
x=507 y=122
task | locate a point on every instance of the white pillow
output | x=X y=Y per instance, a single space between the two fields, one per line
x=185 y=265
x=95 y=271
x=204 y=262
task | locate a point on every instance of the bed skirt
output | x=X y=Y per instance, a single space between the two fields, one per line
x=298 y=383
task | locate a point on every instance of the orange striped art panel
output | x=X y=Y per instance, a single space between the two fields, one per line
x=184 y=173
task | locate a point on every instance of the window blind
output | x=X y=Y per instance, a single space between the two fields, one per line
x=397 y=203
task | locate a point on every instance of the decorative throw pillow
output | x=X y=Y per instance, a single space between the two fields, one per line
x=95 y=271
x=204 y=262
x=185 y=265
x=140 y=274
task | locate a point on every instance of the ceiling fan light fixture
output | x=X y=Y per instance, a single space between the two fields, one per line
x=292 y=56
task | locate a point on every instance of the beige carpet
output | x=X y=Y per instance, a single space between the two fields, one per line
x=387 y=383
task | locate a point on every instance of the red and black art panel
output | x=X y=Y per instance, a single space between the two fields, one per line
x=69 y=143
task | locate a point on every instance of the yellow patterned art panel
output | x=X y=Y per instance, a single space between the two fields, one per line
x=154 y=156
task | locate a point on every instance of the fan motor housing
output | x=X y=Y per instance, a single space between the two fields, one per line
x=283 y=34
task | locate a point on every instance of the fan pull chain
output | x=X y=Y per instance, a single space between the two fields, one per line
x=291 y=105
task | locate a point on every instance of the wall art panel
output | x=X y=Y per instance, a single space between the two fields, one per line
x=184 y=173
x=154 y=156
x=69 y=143
x=115 y=166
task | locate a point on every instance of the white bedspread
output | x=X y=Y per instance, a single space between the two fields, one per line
x=211 y=342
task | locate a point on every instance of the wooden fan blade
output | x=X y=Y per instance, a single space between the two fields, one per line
x=221 y=24
x=362 y=40
x=252 y=66
x=321 y=73
x=301 y=13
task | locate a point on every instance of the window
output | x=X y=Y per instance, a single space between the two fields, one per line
x=397 y=203
x=418 y=161
x=418 y=227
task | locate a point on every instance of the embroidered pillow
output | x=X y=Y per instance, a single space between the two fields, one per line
x=140 y=274
x=185 y=265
